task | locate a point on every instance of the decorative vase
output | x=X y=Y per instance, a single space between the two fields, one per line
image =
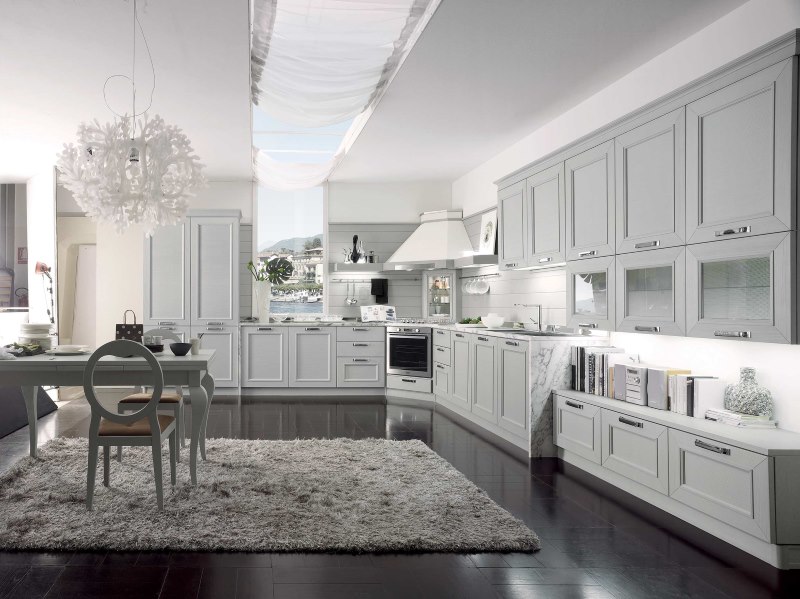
x=263 y=291
x=747 y=396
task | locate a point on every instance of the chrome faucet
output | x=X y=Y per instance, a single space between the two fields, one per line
x=538 y=320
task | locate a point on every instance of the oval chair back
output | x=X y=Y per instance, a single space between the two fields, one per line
x=163 y=333
x=122 y=348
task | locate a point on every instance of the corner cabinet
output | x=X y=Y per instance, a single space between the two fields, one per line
x=511 y=212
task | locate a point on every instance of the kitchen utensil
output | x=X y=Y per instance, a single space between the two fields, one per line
x=355 y=255
x=482 y=286
x=180 y=349
x=493 y=320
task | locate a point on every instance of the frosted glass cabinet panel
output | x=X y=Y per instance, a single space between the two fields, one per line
x=741 y=289
x=439 y=294
x=590 y=293
x=651 y=291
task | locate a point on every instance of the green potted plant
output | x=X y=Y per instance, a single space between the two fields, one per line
x=274 y=271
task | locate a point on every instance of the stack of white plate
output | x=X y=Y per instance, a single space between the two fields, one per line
x=36 y=332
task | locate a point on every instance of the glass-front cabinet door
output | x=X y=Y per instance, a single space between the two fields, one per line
x=650 y=292
x=439 y=294
x=741 y=289
x=590 y=293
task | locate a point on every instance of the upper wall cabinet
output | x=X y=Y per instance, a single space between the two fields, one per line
x=740 y=157
x=513 y=226
x=590 y=293
x=545 y=217
x=215 y=270
x=590 y=203
x=650 y=184
x=166 y=281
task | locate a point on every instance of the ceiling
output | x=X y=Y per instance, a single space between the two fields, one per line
x=486 y=73
x=57 y=55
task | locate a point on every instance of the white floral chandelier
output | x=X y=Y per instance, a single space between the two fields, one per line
x=131 y=171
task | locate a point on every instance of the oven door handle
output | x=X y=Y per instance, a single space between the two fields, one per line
x=393 y=336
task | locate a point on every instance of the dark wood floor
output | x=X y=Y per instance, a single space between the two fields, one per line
x=592 y=545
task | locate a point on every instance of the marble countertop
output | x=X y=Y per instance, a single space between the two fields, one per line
x=317 y=323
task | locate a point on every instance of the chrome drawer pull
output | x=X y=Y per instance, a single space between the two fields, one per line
x=738 y=334
x=438 y=332
x=572 y=404
x=738 y=231
x=409 y=381
x=214 y=323
x=361 y=345
x=168 y=328
x=169 y=322
x=360 y=360
x=512 y=343
x=624 y=420
x=647 y=329
x=714 y=448
x=459 y=335
x=588 y=325
x=483 y=338
x=511 y=265
x=214 y=329
x=647 y=244
x=440 y=349
x=264 y=328
x=587 y=253
x=360 y=329
x=543 y=260
x=312 y=328
x=440 y=367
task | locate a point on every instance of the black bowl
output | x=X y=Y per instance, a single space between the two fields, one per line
x=180 y=349
x=156 y=349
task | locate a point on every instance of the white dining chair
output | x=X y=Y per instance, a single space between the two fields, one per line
x=172 y=402
x=144 y=427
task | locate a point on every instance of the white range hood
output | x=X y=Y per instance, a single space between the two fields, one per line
x=440 y=241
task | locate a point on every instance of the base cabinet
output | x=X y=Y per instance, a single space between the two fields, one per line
x=460 y=355
x=513 y=387
x=442 y=381
x=265 y=353
x=577 y=428
x=636 y=448
x=484 y=377
x=360 y=372
x=225 y=365
x=312 y=357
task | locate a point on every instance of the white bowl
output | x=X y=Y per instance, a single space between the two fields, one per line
x=493 y=321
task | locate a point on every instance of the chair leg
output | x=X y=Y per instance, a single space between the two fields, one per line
x=91 y=473
x=157 y=471
x=173 y=456
x=106 y=465
x=182 y=425
x=177 y=428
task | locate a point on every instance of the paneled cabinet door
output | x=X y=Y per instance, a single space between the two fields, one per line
x=512 y=214
x=590 y=203
x=225 y=365
x=215 y=270
x=442 y=381
x=461 y=370
x=312 y=356
x=650 y=184
x=166 y=276
x=636 y=449
x=742 y=289
x=723 y=481
x=265 y=353
x=513 y=389
x=590 y=293
x=576 y=428
x=361 y=371
x=651 y=292
x=740 y=156
x=546 y=217
x=484 y=377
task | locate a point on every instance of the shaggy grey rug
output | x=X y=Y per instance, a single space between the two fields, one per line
x=307 y=495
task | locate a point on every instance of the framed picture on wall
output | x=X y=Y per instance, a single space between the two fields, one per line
x=488 y=240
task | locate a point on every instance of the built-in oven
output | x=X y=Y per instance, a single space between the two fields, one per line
x=408 y=351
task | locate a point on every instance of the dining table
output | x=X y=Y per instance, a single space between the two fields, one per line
x=189 y=372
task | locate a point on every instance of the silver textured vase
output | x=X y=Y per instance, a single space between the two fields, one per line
x=747 y=396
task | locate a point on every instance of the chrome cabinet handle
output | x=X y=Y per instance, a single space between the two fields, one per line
x=264 y=328
x=361 y=345
x=312 y=328
x=588 y=325
x=572 y=404
x=214 y=323
x=737 y=334
x=629 y=422
x=440 y=367
x=441 y=349
x=409 y=381
x=459 y=335
x=482 y=338
x=511 y=264
x=512 y=343
x=168 y=328
x=170 y=322
x=543 y=260
x=709 y=447
x=647 y=329
x=438 y=332
x=587 y=253
x=647 y=244
x=738 y=231
x=360 y=329
x=360 y=360
x=214 y=329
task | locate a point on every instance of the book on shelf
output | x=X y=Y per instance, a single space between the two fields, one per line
x=739 y=420
x=687 y=391
x=658 y=385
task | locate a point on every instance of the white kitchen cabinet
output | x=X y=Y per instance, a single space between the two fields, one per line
x=590 y=203
x=636 y=448
x=650 y=184
x=742 y=288
x=511 y=214
x=483 y=351
x=591 y=293
x=441 y=355
x=442 y=381
x=369 y=334
x=741 y=157
x=577 y=428
x=545 y=219
x=441 y=338
x=166 y=281
x=181 y=332
x=723 y=481
x=312 y=356
x=513 y=387
x=651 y=287
x=214 y=271
x=361 y=371
x=460 y=355
x=225 y=365
x=265 y=356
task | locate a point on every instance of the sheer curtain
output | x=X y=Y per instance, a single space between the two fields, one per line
x=321 y=62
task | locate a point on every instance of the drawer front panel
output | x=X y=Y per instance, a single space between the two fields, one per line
x=441 y=380
x=441 y=337
x=577 y=428
x=375 y=349
x=441 y=355
x=637 y=449
x=360 y=372
x=405 y=383
x=722 y=481
x=360 y=333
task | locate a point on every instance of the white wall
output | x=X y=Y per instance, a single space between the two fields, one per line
x=41 y=239
x=752 y=25
x=71 y=232
x=226 y=195
x=388 y=202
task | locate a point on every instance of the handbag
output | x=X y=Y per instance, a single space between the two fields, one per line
x=132 y=332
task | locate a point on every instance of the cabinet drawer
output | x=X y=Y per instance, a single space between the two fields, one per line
x=441 y=337
x=406 y=383
x=441 y=380
x=360 y=333
x=441 y=355
x=361 y=348
x=722 y=481
x=637 y=449
x=577 y=428
x=360 y=372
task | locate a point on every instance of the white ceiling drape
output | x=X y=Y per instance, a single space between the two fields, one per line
x=321 y=62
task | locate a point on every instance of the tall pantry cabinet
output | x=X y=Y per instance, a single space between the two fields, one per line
x=191 y=285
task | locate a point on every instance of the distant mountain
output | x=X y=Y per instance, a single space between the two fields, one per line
x=294 y=244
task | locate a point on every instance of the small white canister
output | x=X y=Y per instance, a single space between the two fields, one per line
x=195 y=345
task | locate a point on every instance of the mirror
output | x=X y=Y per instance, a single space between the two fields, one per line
x=13 y=248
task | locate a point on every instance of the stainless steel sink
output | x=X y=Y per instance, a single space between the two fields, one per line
x=533 y=333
